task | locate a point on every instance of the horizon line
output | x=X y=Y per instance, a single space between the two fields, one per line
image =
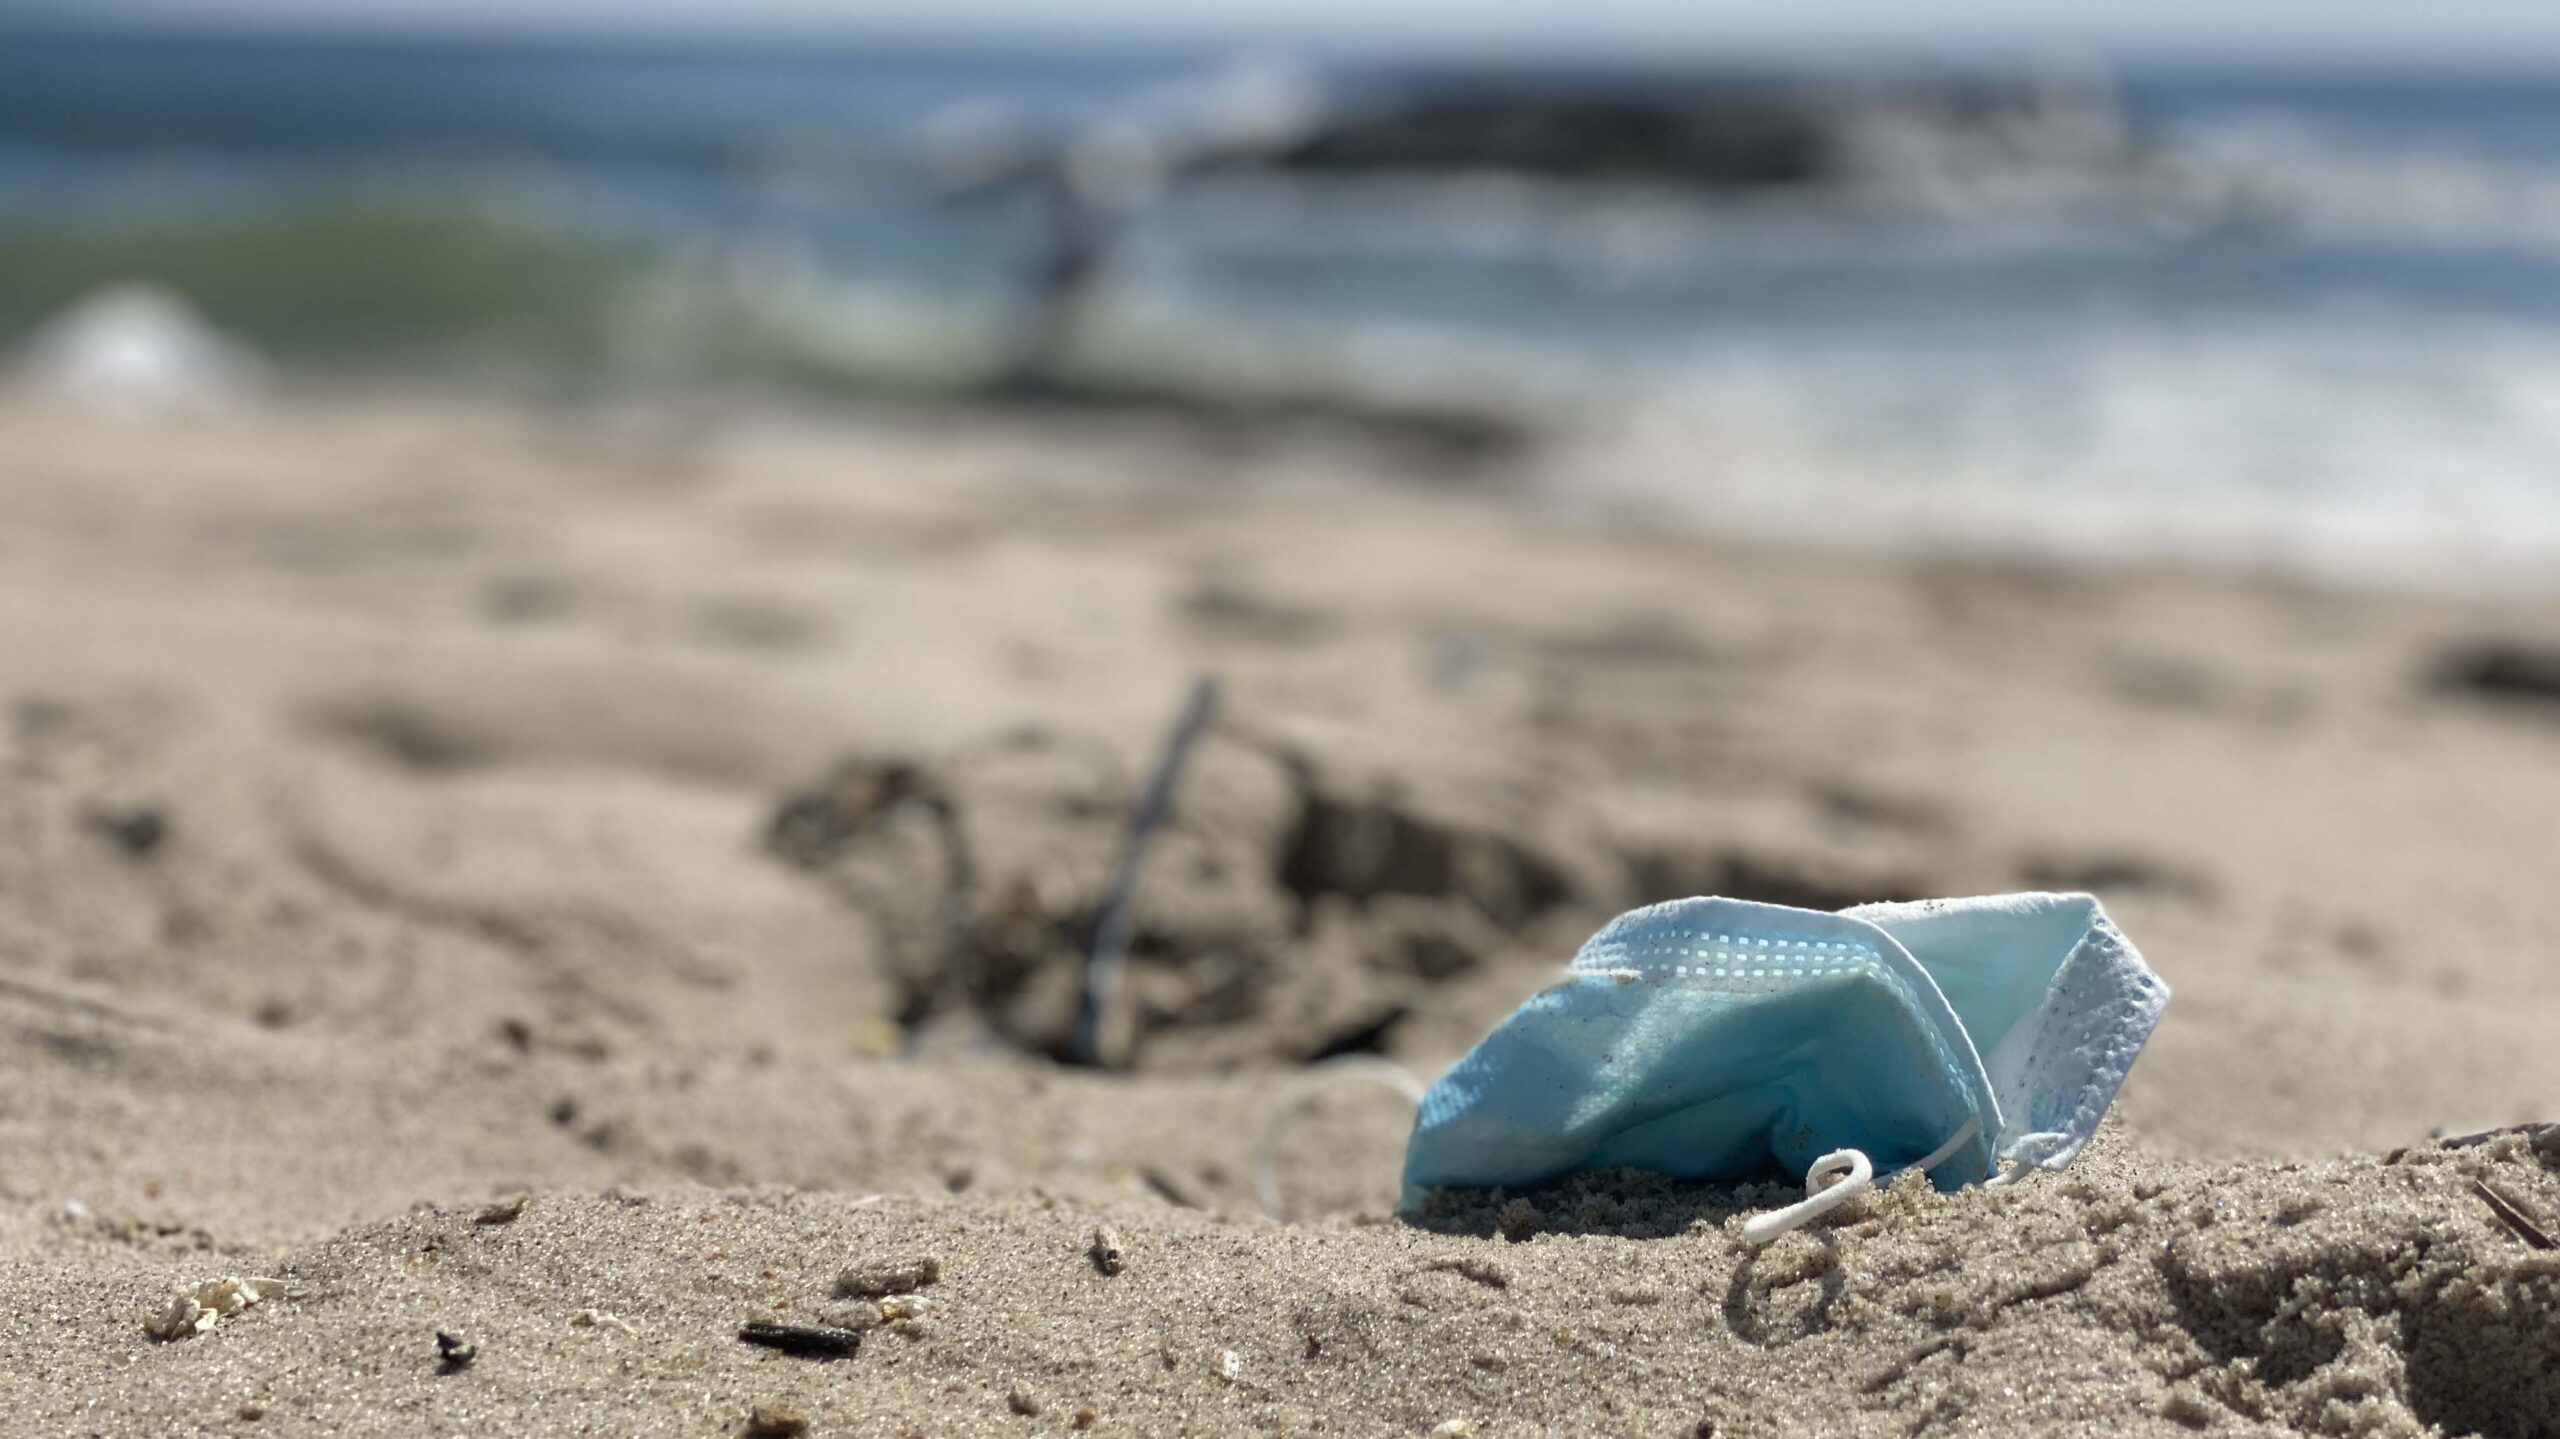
x=1683 y=48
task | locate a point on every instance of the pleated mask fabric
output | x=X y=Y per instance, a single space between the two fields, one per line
x=1728 y=1039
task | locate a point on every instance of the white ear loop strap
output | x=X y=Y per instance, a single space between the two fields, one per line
x=1857 y=1175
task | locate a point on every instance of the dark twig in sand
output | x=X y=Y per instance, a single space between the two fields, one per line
x=2538 y=1132
x=808 y=1341
x=2473 y=1141
x=2511 y=1216
x=1095 y=1040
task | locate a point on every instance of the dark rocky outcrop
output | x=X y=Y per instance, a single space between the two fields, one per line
x=1713 y=134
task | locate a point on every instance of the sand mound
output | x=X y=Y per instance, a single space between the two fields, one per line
x=2348 y=1298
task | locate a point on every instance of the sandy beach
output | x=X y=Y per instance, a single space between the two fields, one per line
x=411 y=805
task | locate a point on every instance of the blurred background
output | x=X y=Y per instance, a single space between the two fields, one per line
x=2277 y=288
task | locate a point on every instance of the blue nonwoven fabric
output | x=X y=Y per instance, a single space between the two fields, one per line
x=1726 y=1039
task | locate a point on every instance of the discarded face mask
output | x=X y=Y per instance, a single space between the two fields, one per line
x=1976 y=1039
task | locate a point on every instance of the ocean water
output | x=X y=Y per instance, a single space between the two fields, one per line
x=2319 y=330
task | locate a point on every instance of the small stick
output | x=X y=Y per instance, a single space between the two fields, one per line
x=2511 y=1216
x=2473 y=1141
x=809 y=1341
x=1100 y=1003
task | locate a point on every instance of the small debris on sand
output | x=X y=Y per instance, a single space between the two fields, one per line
x=1482 y=1271
x=776 y=1421
x=455 y=1352
x=138 y=830
x=599 y=1319
x=2512 y=1215
x=807 y=1341
x=1230 y=1365
x=2501 y=672
x=904 y=1306
x=1167 y=1188
x=1106 y=1252
x=1022 y=1401
x=505 y=1211
x=183 y=1319
x=879 y=1279
x=192 y=1314
x=1453 y=1429
x=513 y=932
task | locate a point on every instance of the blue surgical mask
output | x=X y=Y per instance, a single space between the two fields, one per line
x=1723 y=1039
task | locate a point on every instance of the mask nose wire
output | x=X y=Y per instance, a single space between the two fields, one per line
x=1858 y=1175
x=1305 y=1086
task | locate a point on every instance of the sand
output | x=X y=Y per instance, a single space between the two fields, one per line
x=409 y=804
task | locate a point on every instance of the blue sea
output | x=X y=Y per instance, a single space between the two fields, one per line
x=2318 y=331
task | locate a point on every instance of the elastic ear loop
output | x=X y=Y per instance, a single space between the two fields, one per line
x=2011 y=1171
x=1306 y=1085
x=1860 y=1173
